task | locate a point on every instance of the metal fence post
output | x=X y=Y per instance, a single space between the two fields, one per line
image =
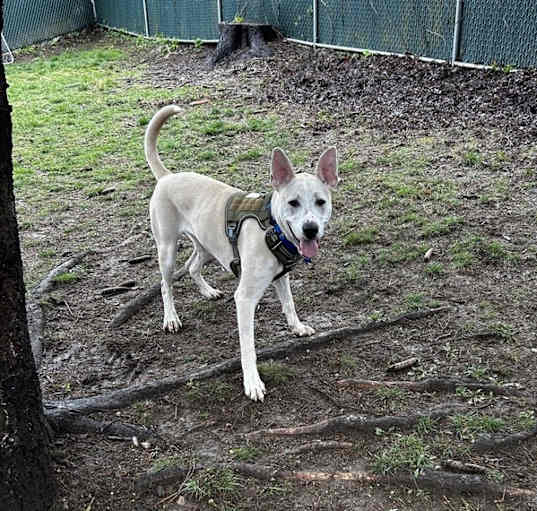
x=315 y=23
x=94 y=10
x=219 y=11
x=456 y=31
x=146 y=19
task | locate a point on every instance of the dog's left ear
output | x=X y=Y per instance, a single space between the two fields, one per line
x=281 y=170
x=327 y=168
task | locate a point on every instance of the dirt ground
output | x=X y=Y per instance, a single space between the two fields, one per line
x=431 y=157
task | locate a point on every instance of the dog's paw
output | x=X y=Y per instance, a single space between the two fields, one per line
x=172 y=324
x=211 y=293
x=254 y=387
x=302 y=330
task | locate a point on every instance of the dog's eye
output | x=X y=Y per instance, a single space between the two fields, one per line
x=294 y=203
x=320 y=202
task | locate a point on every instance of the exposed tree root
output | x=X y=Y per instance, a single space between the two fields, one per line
x=125 y=397
x=459 y=466
x=48 y=282
x=488 y=443
x=34 y=312
x=444 y=482
x=361 y=423
x=74 y=423
x=432 y=385
x=318 y=445
x=147 y=296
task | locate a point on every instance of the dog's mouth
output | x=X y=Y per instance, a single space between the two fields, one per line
x=307 y=248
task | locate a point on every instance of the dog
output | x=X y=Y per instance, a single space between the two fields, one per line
x=194 y=205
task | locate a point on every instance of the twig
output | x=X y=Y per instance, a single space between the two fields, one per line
x=127 y=396
x=404 y=364
x=445 y=482
x=432 y=385
x=357 y=423
x=147 y=296
x=488 y=443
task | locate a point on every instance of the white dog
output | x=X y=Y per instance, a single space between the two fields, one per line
x=195 y=205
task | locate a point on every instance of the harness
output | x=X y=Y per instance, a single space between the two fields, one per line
x=239 y=207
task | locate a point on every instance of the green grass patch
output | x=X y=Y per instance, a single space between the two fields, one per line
x=66 y=278
x=275 y=373
x=474 y=248
x=468 y=427
x=407 y=452
x=361 y=237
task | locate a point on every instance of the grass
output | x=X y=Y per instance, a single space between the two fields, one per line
x=275 y=373
x=407 y=452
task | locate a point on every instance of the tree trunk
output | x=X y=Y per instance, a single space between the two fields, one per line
x=26 y=477
x=236 y=36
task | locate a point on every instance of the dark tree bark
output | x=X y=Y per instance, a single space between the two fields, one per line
x=26 y=477
x=235 y=36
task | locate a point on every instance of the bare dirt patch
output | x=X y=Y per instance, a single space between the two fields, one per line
x=430 y=158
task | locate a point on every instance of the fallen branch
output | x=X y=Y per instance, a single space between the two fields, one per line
x=361 y=423
x=445 y=482
x=431 y=385
x=488 y=443
x=147 y=296
x=125 y=397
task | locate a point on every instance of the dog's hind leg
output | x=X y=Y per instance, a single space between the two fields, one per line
x=283 y=290
x=166 y=235
x=195 y=266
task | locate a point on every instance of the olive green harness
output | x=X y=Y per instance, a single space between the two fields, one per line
x=239 y=207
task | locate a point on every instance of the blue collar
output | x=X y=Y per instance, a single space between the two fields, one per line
x=286 y=243
x=277 y=229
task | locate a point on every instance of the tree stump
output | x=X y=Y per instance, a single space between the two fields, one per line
x=235 y=36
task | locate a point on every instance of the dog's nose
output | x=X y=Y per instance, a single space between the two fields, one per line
x=310 y=230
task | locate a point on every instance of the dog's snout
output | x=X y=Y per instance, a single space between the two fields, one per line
x=310 y=230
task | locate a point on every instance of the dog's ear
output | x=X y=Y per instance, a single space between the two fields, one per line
x=281 y=170
x=327 y=168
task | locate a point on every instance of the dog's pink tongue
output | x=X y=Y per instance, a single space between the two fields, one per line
x=309 y=248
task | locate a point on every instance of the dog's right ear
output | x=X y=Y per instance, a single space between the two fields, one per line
x=281 y=170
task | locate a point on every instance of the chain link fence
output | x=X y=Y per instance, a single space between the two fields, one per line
x=29 y=21
x=500 y=32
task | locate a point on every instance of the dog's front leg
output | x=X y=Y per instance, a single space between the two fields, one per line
x=283 y=290
x=247 y=297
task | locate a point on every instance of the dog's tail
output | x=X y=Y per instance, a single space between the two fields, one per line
x=150 y=142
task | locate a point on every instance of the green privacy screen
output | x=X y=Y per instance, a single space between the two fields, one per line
x=124 y=14
x=423 y=28
x=30 y=21
x=180 y=19
x=183 y=19
x=501 y=32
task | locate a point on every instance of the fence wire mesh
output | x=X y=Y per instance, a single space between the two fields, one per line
x=183 y=19
x=27 y=21
x=499 y=32
x=502 y=32
x=413 y=26
x=123 y=14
